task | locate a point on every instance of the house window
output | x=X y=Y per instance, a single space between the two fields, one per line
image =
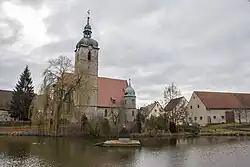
x=195 y=118
x=133 y=113
x=193 y=97
x=222 y=117
x=214 y=117
x=200 y=118
x=191 y=107
x=89 y=55
x=198 y=106
x=105 y=113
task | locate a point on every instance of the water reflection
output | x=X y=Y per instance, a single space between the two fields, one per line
x=48 y=152
x=18 y=149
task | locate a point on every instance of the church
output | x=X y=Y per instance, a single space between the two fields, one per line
x=98 y=96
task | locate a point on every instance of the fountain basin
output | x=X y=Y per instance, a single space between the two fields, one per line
x=120 y=143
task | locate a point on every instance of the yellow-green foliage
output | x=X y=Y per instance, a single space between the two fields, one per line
x=219 y=127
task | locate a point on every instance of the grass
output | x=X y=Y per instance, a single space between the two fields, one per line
x=219 y=127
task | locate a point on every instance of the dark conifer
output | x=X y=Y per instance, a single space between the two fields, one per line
x=22 y=96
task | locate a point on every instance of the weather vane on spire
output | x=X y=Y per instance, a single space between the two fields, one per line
x=88 y=12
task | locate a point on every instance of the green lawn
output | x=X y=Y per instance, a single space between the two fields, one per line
x=219 y=127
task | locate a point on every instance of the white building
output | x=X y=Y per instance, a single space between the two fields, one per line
x=218 y=107
x=5 y=99
x=152 y=110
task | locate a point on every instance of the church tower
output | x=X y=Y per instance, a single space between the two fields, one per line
x=130 y=102
x=86 y=68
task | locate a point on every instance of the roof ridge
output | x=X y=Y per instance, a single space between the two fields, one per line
x=177 y=98
x=2 y=90
x=221 y=92
x=112 y=78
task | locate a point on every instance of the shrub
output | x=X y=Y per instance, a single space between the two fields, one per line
x=194 y=128
x=105 y=127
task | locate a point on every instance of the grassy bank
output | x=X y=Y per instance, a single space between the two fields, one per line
x=228 y=128
x=210 y=130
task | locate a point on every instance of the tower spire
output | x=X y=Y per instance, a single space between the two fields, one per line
x=87 y=29
x=129 y=82
x=88 y=12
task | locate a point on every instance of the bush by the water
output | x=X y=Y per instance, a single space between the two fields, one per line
x=194 y=128
x=156 y=123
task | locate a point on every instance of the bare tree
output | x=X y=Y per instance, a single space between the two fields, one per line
x=241 y=114
x=170 y=92
x=178 y=114
x=59 y=84
x=118 y=117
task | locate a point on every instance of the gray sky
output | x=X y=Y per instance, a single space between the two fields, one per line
x=198 y=44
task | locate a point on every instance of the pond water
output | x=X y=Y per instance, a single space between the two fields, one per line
x=61 y=152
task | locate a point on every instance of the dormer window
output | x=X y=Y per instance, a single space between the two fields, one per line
x=89 y=56
x=112 y=100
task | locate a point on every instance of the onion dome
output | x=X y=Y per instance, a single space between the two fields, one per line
x=87 y=40
x=129 y=91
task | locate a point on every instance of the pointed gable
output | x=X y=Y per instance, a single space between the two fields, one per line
x=111 y=92
x=172 y=104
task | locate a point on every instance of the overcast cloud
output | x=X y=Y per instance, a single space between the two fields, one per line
x=198 y=44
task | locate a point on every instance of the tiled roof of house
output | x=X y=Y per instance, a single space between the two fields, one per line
x=224 y=100
x=5 y=99
x=172 y=104
x=110 y=88
x=147 y=109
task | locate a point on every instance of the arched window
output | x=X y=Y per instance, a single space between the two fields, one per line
x=133 y=112
x=89 y=55
x=105 y=113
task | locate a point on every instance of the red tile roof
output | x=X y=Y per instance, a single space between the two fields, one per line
x=224 y=100
x=109 y=88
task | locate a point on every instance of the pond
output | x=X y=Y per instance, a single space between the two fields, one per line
x=62 y=152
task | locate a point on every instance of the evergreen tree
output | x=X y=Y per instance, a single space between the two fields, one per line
x=22 y=96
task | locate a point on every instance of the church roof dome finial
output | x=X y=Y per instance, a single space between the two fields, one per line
x=87 y=29
x=129 y=91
